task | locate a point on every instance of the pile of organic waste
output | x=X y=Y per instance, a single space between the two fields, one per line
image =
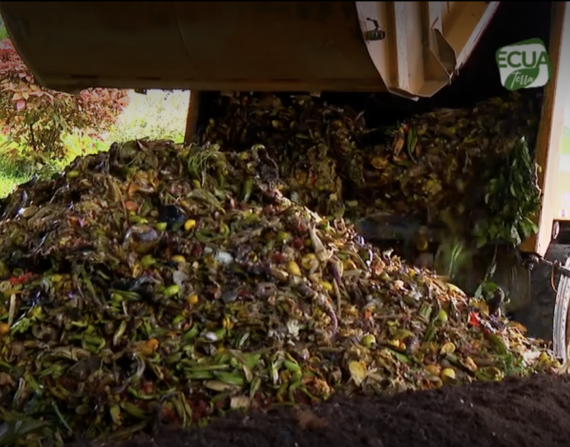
x=468 y=171
x=156 y=283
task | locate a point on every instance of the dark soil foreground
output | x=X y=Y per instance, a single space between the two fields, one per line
x=516 y=412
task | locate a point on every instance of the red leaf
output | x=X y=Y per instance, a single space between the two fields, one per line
x=20 y=105
x=474 y=319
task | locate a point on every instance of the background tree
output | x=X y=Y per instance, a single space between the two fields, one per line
x=36 y=119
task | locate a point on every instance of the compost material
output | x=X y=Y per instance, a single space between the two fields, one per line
x=530 y=412
x=157 y=283
x=468 y=170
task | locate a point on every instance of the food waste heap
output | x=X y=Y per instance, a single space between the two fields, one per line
x=161 y=283
x=468 y=171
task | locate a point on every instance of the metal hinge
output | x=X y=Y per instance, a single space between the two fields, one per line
x=533 y=260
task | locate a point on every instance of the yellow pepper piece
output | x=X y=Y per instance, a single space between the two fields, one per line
x=470 y=364
x=434 y=370
x=293 y=268
x=358 y=372
x=192 y=299
x=448 y=373
x=189 y=224
x=350 y=265
x=4 y=329
x=308 y=260
x=447 y=348
x=148 y=347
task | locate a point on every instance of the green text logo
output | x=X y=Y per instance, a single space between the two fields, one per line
x=524 y=64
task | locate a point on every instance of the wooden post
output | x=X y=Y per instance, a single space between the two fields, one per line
x=192 y=117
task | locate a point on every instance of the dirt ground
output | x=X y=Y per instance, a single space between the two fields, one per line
x=516 y=412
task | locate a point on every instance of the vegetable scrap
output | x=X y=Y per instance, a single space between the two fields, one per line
x=466 y=172
x=158 y=283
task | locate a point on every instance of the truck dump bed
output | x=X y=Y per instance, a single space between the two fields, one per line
x=409 y=48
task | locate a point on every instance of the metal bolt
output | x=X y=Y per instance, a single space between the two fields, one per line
x=555 y=230
x=530 y=261
x=376 y=33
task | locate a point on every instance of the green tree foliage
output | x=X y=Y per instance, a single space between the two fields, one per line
x=36 y=119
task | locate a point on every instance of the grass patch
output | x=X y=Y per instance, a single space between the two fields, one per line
x=9 y=178
x=12 y=174
x=156 y=115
